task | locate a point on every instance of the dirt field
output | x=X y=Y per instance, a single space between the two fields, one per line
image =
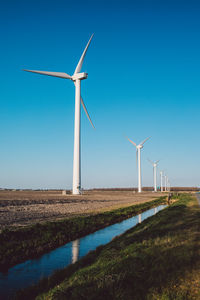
x=19 y=208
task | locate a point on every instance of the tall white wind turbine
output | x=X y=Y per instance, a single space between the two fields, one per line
x=165 y=182
x=76 y=78
x=161 y=181
x=168 y=184
x=154 y=164
x=138 y=158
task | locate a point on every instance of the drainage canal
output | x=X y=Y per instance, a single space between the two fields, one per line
x=31 y=271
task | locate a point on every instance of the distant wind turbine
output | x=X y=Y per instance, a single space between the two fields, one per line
x=138 y=159
x=165 y=182
x=154 y=164
x=161 y=181
x=76 y=78
x=168 y=184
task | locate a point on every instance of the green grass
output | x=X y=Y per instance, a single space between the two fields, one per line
x=24 y=243
x=158 y=259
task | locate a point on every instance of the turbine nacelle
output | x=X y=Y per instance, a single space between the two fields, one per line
x=140 y=145
x=154 y=163
x=79 y=76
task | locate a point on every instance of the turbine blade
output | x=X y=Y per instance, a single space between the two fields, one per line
x=137 y=157
x=85 y=109
x=150 y=161
x=54 y=74
x=79 y=66
x=87 y=114
x=157 y=162
x=131 y=142
x=145 y=141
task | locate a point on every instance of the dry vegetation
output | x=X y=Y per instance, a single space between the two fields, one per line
x=19 y=208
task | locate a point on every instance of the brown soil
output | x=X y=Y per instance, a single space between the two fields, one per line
x=19 y=208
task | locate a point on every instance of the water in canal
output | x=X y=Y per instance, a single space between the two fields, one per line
x=31 y=271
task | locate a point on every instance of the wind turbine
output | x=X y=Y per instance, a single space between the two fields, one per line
x=138 y=158
x=76 y=78
x=165 y=182
x=168 y=184
x=161 y=181
x=154 y=164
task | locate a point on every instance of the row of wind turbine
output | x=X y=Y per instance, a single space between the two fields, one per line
x=166 y=186
x=138 y=161
x=77 y=77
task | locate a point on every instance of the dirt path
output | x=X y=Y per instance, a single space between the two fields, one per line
x=19 y=208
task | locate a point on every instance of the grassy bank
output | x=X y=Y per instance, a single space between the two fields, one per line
x=21 y=244
x=158 y=259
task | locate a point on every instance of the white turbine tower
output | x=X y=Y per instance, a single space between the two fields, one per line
x=76 y=78
x=165 y=182
x=168 y=184
x=161 y=181
x=154 y=164
x=138 y=158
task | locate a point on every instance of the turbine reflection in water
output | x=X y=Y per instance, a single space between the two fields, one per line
x=139 y=218
x=75 y=250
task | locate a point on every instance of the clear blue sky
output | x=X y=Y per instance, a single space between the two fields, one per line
x=143 y=69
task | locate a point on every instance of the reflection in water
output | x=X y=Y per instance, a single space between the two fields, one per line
x=139 y=218
x=75 y=250
x=155 y=210
x=31 y=271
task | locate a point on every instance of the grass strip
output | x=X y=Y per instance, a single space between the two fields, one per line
x=24 y=243
x=157 y=259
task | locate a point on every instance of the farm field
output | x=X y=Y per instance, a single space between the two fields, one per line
x=20 y=208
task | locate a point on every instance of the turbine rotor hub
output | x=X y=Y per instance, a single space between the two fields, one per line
x=79 y=76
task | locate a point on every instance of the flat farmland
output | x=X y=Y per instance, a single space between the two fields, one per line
x=21 y=208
